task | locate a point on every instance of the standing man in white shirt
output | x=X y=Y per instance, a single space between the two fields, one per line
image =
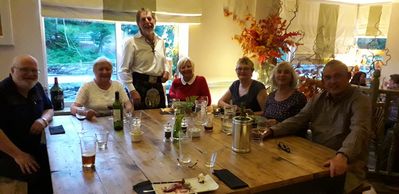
x=144 y=67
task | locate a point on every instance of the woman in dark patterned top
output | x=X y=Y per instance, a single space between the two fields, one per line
x=245 y=91
x=286 y=101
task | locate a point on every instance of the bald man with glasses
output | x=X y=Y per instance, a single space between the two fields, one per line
x=25 y=111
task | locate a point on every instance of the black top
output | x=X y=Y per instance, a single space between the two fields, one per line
x=281 y=110
x=18 y=114
x=248 y=99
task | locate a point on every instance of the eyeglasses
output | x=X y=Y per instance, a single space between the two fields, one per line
x=284 y=147
x=27 y=70
x=243 y=69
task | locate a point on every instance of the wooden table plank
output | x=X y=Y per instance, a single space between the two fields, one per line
x=125 y=163
x=114 y=169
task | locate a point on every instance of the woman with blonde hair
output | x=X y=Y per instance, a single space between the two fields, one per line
x=286 y=101
x=188 y=84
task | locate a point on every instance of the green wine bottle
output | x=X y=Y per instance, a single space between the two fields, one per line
x=117 y=113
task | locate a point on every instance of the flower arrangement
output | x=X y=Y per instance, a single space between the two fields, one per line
x=264 y=38
x=310 y=87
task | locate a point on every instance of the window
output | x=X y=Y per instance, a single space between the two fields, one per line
x=73 y=45
x=372 y=43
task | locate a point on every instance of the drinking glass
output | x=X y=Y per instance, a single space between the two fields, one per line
x=209 y=154
x=128 y=117
x=136 y=124
x=208 y=125
x=102 y=139
x=227 y=124
x=200 y=111
x=184 y=149
x=81 y=116
x=88 y=150
x=210 y=158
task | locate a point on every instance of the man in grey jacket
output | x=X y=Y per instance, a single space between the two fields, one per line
x=340 y=119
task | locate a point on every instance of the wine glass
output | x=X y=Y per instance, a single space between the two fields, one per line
x=262 y=132
x=204 y=100
x=263 y=128
x=127 y=118
x=81 y=116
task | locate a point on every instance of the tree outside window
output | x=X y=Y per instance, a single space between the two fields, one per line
x=73 y=45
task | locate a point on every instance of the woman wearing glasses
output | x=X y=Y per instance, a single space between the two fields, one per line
x=245 y=91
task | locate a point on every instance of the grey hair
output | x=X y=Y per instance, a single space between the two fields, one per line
x=283 y=66
x=101 y=60
x=145 y=10
x=182 y=61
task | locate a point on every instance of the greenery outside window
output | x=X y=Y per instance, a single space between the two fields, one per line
x=72 y=46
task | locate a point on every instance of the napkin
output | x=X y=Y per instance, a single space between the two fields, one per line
x=54 y=130
x=167 y=111
x=145 y=185
x=230 y=179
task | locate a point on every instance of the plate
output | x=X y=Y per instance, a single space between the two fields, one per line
x=196 y=187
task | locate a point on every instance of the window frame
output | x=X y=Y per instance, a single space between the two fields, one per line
x=181 y=40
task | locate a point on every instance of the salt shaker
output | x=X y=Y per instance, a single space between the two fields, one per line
x=167 y=133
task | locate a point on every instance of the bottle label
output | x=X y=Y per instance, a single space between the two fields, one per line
x=117 y=115
x=59 y=97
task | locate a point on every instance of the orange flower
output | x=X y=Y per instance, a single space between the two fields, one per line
x=264 y=38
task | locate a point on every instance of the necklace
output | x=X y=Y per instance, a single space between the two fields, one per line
x=151 y=43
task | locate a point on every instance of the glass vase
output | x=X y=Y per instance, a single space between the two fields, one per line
x=179 y=114
x=264 y=74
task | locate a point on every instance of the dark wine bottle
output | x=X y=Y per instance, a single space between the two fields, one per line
x=57 y=96
x=117 y=113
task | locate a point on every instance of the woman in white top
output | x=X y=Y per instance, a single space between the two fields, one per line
x=99 y=94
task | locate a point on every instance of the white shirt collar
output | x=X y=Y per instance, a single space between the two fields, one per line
x=189 y=82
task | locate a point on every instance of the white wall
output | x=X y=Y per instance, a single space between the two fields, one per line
x=27 y=36
x=392 y=44
x=211 y=46
x=212 y=49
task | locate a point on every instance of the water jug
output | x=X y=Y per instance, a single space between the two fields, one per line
x=242 y=126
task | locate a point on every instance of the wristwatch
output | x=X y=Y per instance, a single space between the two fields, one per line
x=45 y=121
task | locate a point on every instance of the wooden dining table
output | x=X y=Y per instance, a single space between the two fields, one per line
x=266 y=168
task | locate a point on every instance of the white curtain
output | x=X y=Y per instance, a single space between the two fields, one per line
x=260 y=9
x=353 y=20
x=373 y=20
